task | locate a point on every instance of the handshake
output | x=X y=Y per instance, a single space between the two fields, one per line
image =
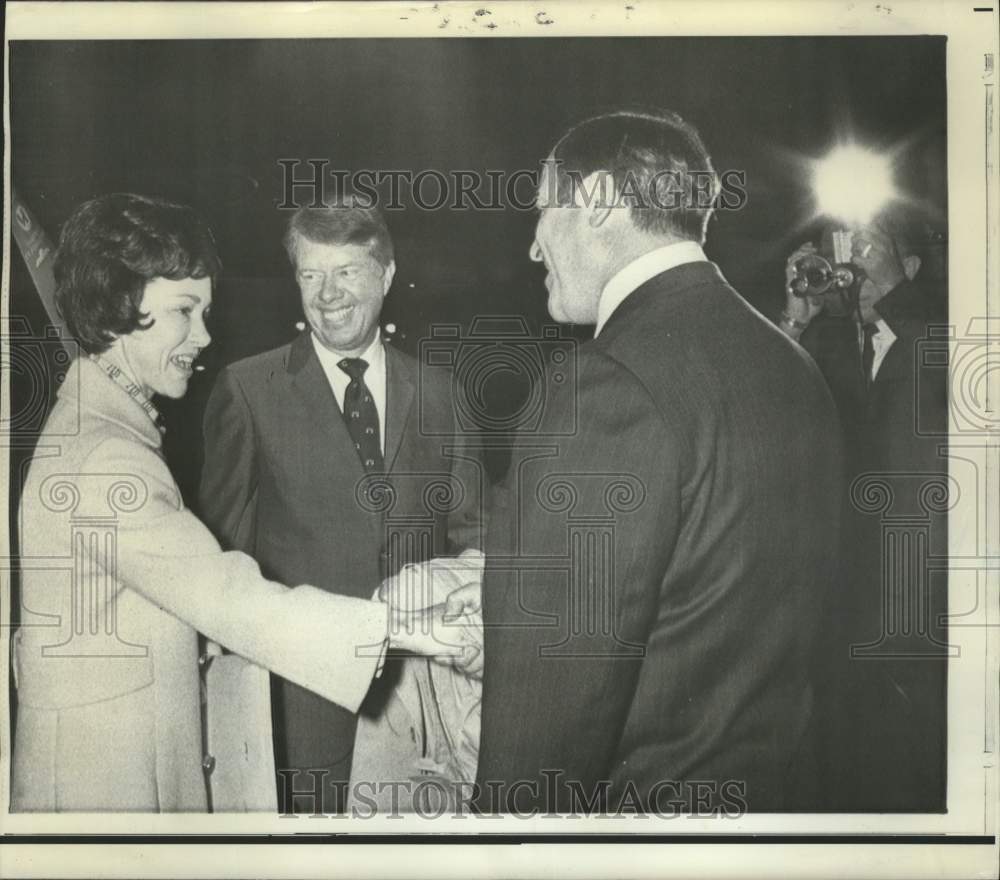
x=435 y=610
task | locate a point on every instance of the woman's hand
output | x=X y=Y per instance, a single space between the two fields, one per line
x=419 y=631
x=452 y=641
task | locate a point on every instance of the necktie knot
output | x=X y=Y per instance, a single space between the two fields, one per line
x=354 y=367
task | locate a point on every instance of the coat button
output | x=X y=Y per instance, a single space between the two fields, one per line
x=208 y=763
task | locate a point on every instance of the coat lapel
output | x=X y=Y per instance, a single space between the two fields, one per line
x=324 y=418
x=400 y=391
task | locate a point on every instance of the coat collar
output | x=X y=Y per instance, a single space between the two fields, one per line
x=641 y=270
x=95 y=391
x=669 y=283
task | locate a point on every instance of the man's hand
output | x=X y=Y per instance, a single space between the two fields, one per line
x=467 y=630
x=422 y=632
x=467 y=599
x=429 y=583
x=434 y=610
x=449 y=640
x=801 y=309
x=463 y=609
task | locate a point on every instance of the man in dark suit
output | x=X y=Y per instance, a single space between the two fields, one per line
x=886 y=736
x=655 y=577
x=316 y=465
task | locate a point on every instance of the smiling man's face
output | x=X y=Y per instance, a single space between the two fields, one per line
x=343 y=287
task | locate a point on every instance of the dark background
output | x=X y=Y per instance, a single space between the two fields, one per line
x=205 y=122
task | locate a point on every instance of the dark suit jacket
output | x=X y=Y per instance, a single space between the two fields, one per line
x=899 y=421
x=282 y=482
x=886 y=738
x=663 y=626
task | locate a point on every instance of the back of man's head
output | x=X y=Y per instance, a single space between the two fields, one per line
x=659 y=165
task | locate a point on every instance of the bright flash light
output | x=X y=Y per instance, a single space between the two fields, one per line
x=853 y=184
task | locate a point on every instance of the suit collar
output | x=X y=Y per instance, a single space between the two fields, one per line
x=640 y=270
x=301 y=352
x=669 y=283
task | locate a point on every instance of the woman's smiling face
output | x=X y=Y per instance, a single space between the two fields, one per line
x=161 y=357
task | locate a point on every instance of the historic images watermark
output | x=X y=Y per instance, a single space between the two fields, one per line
x=312 y=183
x=432 y=797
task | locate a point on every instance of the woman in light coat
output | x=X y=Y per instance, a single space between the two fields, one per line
x=118 y=576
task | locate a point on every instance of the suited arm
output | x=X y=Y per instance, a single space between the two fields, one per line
x=328 y=643
x=227 y=495
x=468 y=522
x=459 y=455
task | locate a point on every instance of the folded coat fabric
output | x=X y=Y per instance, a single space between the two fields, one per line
x=419 y=753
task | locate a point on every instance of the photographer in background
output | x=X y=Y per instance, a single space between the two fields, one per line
x=887 y=737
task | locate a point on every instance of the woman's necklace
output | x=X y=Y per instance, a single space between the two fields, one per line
x=118 y=376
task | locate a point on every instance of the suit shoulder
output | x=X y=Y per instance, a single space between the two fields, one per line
x=403 y=360
x=434 y=381
x=260 y=366
x=617 y=375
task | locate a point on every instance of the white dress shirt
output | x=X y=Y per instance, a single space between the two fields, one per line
x=640 y=270
x=882 y=341
x=375 y=377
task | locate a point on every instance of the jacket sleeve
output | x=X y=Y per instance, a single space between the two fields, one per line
x=458 y=452
x=227 y=495
x=330 y=644
x=467 y=523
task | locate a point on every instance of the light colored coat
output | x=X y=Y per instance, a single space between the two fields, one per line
x=118 y=579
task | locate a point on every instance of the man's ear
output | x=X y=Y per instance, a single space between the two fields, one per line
x=388 y=275
x=911 y=265
x=597 y=196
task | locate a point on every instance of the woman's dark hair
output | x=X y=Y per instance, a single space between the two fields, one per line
x=111 y=248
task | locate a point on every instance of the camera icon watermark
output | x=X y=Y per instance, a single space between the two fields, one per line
x=963 y=366
x=500 y=351
x=37 y=365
